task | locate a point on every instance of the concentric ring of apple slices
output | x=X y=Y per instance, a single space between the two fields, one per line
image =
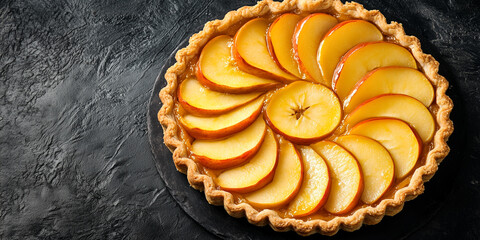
x=346 y=68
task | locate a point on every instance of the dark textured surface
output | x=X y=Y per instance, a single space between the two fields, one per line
x=75 y=162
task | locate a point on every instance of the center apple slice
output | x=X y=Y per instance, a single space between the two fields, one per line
x=376 y=163
x=251 y=53
x=255 y=174
x=365 y=57
x=315 y=187
x=218 y=70
x=230 y=151
x=303 y=112
x=222 y=125
x=346 y=175
x=285 y=183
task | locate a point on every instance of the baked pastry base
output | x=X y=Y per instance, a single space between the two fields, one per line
x=174 y=137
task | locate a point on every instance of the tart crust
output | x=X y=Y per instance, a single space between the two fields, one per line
x=173 y=134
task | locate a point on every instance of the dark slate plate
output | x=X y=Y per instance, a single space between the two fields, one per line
x=415 y=218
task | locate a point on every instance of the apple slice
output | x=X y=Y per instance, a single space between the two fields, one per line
x=255 y=174
x=286 y=182
x=315 y=187
x=346 y=175
x=339 y=40
x=376 y=163
x=365 y=57
x=303 y=112
x=251 y=52
x=200 y=100
x=398 y=106
x=231 y=151
x=218 y=71
x=279 y=42
x=222 y=125
x=309 y=32
x=384 y=80
x=397 y=137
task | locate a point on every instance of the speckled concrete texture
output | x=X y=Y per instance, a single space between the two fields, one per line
x=76 y=80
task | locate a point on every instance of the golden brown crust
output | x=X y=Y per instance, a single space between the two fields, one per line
x=367 y=215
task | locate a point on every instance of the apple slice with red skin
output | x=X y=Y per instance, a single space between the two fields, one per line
x=363 y=58
x=303 y=112
x=231 y=151
x=347 y=180
x=309 y=32
x=399 y=80
x=398 y=106
x=217 y=70
x=315 y=188
x=376 y=163
x=250 y=51
x=201 y=101
x=397 y=137
x=339 y=40
x=279 y=43
x=223 y=125
x=256 y=173
x=286 y=182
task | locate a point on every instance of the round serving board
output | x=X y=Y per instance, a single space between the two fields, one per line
x=215 y=219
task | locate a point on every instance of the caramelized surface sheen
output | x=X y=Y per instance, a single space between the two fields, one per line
x=339 y=40
x=256 y=173
x=397 y=137
x=280 y=36
x=286 y=181
x=219 y=72
x=315 y=186
x=251 y=44
x=365 y=57
x=308 y=35
x=376 y=163
x=347 y=181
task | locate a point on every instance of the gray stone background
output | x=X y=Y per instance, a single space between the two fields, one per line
x=75 y=162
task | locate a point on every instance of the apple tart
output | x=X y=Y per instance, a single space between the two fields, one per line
x=310 y=116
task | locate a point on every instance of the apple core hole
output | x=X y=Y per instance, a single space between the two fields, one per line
x=299 y=112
